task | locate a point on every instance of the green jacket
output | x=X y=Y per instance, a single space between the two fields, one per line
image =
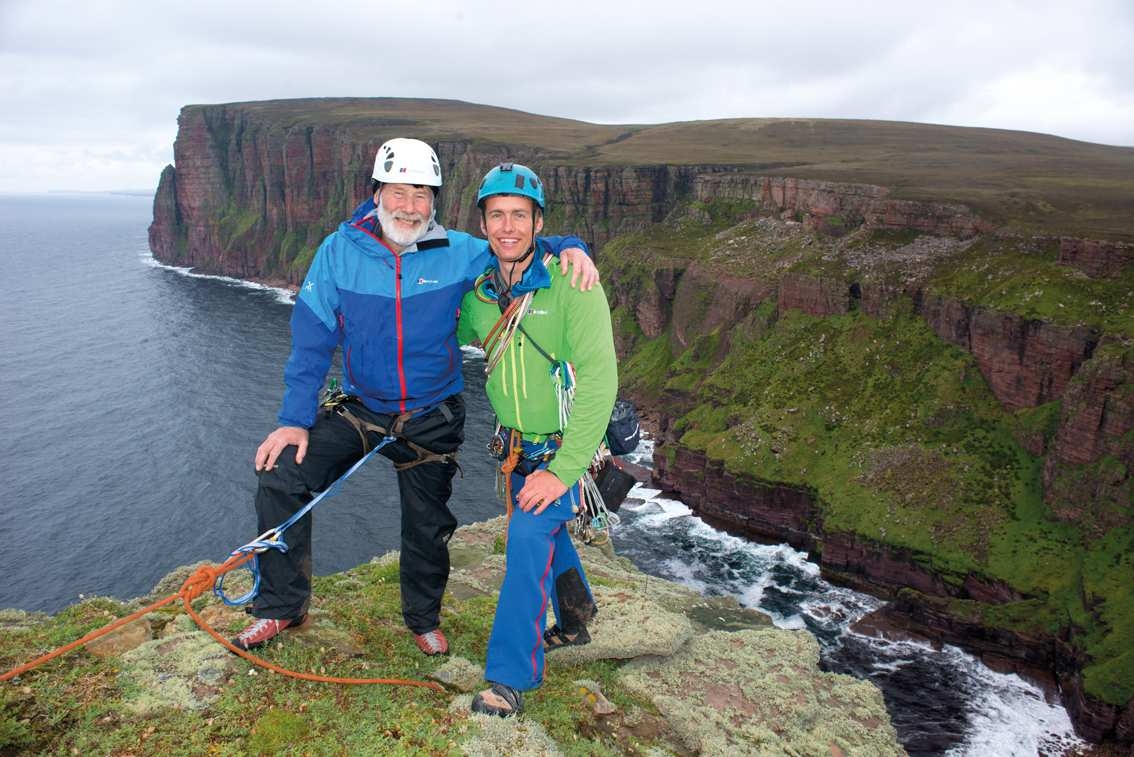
x=569 y=325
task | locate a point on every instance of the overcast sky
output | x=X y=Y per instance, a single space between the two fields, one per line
x=91 y=90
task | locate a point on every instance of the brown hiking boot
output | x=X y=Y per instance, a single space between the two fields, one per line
x=432 y=643
x=264 y=630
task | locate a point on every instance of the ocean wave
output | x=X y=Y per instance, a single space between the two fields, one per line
x=283 y=295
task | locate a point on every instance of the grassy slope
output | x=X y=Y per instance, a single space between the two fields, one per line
x=1022 y=180
x=81 y=706
x=896 y=429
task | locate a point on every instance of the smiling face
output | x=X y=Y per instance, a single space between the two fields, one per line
x=510 y=223
x=404 y=212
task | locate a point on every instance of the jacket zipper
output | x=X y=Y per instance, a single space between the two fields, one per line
x=398 y=323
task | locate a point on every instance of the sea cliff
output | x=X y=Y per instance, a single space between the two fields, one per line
x=893 y=345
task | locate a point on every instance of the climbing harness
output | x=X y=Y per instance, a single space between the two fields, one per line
x=247 y=557
x=337 y=402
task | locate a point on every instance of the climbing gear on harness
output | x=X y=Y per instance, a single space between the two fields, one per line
x=512 y=697
x=514 y=459
x=432 y=642
x=264 y=630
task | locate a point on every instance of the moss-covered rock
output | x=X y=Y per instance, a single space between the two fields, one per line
x=185 y=671
x=760 y=692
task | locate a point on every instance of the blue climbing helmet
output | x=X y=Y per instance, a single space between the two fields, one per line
x=511 y=179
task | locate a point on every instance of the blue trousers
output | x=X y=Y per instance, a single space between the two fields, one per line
x=540 y=559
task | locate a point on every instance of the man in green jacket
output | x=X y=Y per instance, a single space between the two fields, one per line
x=552 y=380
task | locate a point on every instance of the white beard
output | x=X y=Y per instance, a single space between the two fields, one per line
x=391 y=231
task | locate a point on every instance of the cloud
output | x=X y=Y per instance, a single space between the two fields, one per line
x=97 y=86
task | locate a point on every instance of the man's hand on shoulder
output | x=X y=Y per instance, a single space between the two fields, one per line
x=276 y=442
x=584 y=271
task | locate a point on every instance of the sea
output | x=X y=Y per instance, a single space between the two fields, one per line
x=133 y=396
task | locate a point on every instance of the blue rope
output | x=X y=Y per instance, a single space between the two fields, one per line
x=273 y=538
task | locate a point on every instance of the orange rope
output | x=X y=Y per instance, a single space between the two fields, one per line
x=194 y=586
x=515 y=449
x=498 y=330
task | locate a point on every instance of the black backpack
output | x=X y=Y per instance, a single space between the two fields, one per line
x=623 y=431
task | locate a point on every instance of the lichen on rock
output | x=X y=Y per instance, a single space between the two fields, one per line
x=186 y=671
x=761 y=692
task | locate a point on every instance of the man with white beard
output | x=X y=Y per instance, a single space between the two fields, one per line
x=386 y=288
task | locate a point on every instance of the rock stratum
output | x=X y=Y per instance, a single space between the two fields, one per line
x=897 y=346
x=661 y=676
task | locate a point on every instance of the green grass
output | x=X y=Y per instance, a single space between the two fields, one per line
x=80 y=704
x=1020 y=277
x=903 y=443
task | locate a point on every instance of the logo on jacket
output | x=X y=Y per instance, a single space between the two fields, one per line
x=424 y=280
x=309 y=286
x=533 y=311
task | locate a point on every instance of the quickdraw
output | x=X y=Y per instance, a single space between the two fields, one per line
x=273 y=538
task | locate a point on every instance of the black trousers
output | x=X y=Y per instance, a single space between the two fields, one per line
x=333 y=446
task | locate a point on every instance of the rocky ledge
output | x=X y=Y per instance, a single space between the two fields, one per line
x=667 y=672
x=943 y=607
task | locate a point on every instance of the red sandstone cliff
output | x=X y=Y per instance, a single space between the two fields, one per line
x=249 y=195
x=1025 y=362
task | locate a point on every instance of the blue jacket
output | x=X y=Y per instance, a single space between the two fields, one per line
x=395 y=317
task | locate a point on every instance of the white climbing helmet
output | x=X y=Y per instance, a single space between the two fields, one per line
x=407 y=161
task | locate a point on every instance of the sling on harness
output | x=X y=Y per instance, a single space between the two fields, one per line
x=273 y=538
x=336 y=401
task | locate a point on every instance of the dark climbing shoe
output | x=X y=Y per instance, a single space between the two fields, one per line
x=432 y=643
x=264 y=630
x=513 y=698
x=555 y=637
